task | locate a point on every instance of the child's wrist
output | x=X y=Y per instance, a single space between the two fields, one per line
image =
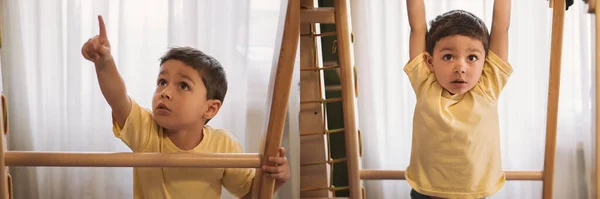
x=102 y=64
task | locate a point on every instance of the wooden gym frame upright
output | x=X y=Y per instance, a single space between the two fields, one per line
x=339 y=15
x=279 y=91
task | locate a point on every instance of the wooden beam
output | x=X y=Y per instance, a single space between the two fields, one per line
x=370 y=174
x=128 y=159
x=342 y=25
x=597 y=100
x=317 y=15
x=279 y=88
x=4 y=193
x=558 y=17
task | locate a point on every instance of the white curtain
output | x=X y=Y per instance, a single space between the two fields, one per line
x=55 y=103
x=386 y=100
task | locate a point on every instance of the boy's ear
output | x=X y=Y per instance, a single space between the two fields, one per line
x=429 y=60
x=213 y=108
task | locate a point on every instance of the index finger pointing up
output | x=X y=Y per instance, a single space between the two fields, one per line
x=102 y=27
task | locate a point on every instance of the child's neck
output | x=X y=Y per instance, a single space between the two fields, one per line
x=186 y=138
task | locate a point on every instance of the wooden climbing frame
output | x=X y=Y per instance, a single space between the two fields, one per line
x=279 y=90
x=340 y=16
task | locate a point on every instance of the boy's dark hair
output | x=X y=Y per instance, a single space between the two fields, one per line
x=211 y=71
x=457 y=22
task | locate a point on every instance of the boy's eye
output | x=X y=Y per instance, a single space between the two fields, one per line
x=184 y=86
x=162 y=82
x=447 y=57
x=472 y=58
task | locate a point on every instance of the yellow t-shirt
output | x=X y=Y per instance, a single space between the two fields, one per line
x=456 y=138
x=142 y=134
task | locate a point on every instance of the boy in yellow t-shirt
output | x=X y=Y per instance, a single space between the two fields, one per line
x=457 y=71
x=190 y=89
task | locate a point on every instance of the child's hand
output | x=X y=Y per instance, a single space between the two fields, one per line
x=278 y=168
x=97 y=49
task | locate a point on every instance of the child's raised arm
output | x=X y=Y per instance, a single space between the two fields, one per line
x=112 y=86
x=500 y=25
x=418 y=26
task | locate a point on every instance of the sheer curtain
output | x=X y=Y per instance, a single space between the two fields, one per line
x=55 y=103
x=386 y=100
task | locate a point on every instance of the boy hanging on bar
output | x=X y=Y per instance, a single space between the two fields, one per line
x=457 y=70
x=190 y=89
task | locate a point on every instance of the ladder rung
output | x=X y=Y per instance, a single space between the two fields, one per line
x=331 y=188
x=320 y=68
x=371 y=174
x=330 y=161
x=338 y=99
x=323 y=133
x=325 y=34
x=317 y=15
x=333 y=88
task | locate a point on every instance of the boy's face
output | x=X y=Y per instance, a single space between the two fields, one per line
x=457 y=63
x=180 y=97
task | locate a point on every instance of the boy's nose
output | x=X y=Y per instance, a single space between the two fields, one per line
x=165 y=94
x=459 y=69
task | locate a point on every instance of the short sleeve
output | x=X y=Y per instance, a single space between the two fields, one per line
x=238 y=181
x=137 y=128
x=494 y=76
x=417 y=72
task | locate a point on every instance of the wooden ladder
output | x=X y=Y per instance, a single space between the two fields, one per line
x=317 y=162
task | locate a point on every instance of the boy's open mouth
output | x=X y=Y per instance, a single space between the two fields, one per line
x=459 y=81
x=163 y=106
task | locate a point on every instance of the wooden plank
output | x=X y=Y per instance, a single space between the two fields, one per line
x=316 y=176
x=371 y=174
x=279 y=90
x=558 y=17
x=342 y=25
x=317 y=15
x=313 y=148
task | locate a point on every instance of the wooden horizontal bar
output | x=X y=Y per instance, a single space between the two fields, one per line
x=330 y=188
x=101 y=159
x=370 y=174
x=330 y=161
x=325 y=34
x=330 y=100
x=331 y=131
x=317 y=15
x=320 y=68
